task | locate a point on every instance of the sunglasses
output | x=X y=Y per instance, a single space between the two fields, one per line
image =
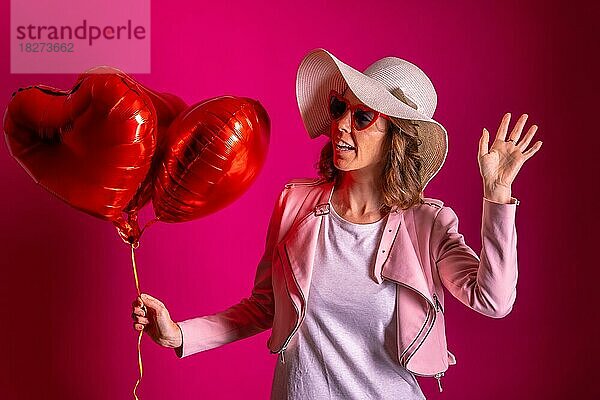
x=361 y=115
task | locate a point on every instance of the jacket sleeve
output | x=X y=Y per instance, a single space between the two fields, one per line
x=487 y=284
x=252 y=315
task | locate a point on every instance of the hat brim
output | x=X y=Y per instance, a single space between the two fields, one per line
x=320 y=72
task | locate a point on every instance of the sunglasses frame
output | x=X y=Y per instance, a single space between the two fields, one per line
x=353 y=108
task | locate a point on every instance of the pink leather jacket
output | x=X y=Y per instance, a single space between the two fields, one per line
x=421 y=251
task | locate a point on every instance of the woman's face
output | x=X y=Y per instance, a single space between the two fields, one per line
x=366 y=150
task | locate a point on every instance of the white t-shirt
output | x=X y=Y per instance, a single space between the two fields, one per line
x=346 y=345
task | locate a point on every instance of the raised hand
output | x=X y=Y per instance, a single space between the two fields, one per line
x=500 y=163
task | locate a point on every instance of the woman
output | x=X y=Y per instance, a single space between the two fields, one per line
x=373 y=253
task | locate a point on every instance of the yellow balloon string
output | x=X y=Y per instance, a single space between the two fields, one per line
x=137 y=285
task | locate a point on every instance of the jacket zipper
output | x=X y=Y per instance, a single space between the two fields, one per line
x=436 y=306
x=433 y=306
x=437 y=303
x=300 y=317
x=289 y=338
x=438 y=376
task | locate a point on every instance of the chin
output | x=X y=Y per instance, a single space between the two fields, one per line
x=342 y=168
x=337 y=165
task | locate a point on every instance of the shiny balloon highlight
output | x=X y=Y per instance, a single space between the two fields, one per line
x=215 y=151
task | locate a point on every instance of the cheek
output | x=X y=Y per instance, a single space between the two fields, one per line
x=374 y=144
x=379 y=150
x=332 y=128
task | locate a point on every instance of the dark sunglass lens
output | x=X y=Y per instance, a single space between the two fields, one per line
x=362 y=118
x=336 y=107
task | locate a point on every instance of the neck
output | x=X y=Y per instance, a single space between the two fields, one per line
x=357 y=193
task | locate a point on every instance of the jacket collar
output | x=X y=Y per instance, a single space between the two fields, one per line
x=396 y=260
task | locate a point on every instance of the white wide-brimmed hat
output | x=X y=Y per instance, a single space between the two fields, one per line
x=391 y=85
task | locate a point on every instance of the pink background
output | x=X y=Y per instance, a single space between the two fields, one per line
x=67 y=283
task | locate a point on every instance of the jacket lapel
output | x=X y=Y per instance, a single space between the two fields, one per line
x=402 y=265
x=300 y=244
x=396 y=260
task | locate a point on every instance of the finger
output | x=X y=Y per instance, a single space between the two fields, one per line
x=503 y=128
x=139 y=311
x=141 y=320
x=483 y=142
x=516 y=132
x=155 y=306
x=532 y=150
x=527 y=138
x=151 y=300
x=139 y=303
x=138 y=327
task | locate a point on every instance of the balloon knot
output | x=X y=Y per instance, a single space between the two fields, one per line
x=133 y=242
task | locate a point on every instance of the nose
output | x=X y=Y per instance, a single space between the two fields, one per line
x=345 y=122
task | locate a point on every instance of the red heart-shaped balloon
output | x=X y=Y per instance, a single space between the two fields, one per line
x=91 y=146
x=216 y=149
x=168 y=107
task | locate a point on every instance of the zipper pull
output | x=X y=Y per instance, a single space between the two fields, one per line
x=283 y=356
x=438 y=376
x=438 y=306
x=436 y=303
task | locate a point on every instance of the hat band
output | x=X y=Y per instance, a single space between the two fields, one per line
x=399 y=94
